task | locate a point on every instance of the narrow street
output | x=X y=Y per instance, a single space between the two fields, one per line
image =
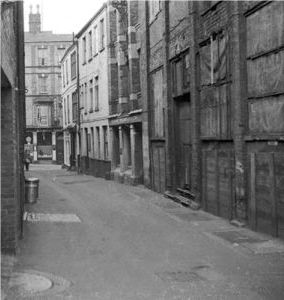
x=98 y=239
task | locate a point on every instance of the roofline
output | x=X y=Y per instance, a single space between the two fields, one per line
x=91 y=20
x=68 y=50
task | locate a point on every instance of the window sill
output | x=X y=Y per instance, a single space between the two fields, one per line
x=96 y=109
x=85 y=112
x=96 y=54
x=91 y=110
x=83 y=63
x=90 y=59
x=102 y=49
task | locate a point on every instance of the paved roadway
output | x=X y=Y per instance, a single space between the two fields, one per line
x=133 y=244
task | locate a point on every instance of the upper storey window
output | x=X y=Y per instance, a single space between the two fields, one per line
x=73 y=65
x=102 y=29
x=90 y=44
x=84 y=46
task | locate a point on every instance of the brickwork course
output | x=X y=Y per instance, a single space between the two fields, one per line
x=12 y=124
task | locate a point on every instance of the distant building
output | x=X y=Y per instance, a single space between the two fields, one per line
x=93 y=47
x=69 y=76
x=12 y=124
x=43 y=52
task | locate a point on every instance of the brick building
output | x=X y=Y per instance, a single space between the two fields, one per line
x=12 y=123
x=43 y=52
x=69 y=76
x=93 y=82
x=212 y=79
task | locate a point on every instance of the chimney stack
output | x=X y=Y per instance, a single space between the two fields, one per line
x=34 y=20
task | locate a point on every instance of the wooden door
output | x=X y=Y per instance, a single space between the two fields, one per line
x=217 y=177
x=267 y=192
x=59 y=148
x=158 y=167
x=183 y=143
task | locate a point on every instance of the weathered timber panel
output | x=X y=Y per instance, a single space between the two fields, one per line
x=267 y=115
x=183 y=142
x=158 y=167
x=266 y=74
x=265 y=28
x=267 y=192
x=157 y=102
x=218 y=168
x=215 y=112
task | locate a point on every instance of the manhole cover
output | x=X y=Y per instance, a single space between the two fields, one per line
x=59 y=218
x=29 y=283
x=179 y=276
x=237 y=237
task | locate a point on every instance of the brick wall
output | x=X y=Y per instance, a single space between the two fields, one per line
x=12 y=124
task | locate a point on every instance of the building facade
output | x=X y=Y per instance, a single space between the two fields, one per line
x=125 y=94
x=195 y=94
x=43 y=52
x=93 y=48
x=12 y=124
x=69 y=76
x=211 y=81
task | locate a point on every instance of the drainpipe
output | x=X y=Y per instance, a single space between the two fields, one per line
x=78 y=108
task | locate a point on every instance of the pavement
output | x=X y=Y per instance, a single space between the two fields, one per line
x=88 y=238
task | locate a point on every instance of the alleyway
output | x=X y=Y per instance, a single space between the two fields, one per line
x=132 y=243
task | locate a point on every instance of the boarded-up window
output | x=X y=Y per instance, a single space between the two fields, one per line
x=267 y=115
x=265 y=69
x=157 y=104
x=214 y=59
x=265 y=28
x=180 y=74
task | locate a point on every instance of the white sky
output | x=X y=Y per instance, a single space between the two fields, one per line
x=62 y=16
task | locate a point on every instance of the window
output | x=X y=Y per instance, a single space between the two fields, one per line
x=85 y=97
x=63 y=74
x=90 y=44
x=41 y=61
x=92 y=142
x=97 y=93
x=102 y=29
x=68 y=109
x=105 y=142
x=181 y=76
x=66 y=69
x=64 y=111
x=91 y=94
x=73 y=65
x=98 y=141
x=154 y=8
x=95 y=40
x=43 y=84
x=213 y=59
x=84 y=50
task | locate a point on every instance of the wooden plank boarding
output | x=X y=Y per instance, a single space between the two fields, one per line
x=273 y=200
x=252 y=191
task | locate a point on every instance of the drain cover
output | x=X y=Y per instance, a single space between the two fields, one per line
x=29 y=283
x=40 y=217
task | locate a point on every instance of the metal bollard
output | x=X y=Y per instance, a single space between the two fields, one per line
x=31 y=190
